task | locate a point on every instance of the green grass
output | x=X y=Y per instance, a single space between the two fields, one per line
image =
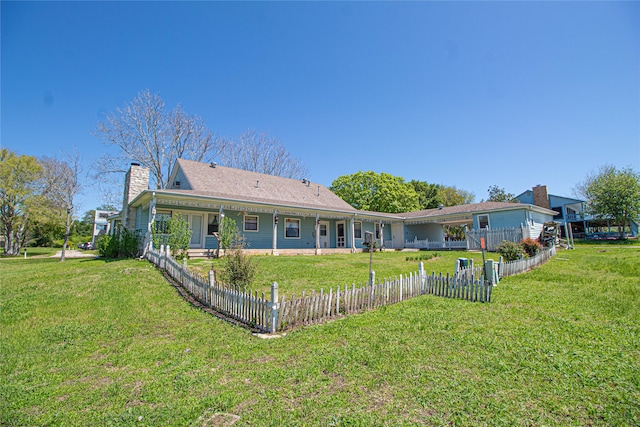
x=93 y=342
x=295 y=274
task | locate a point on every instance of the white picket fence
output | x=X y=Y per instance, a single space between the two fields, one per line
x=435 y=244
x=494 y=237
x=247 y=307
x=520 y=266
x=271 y=314
x=323 y=306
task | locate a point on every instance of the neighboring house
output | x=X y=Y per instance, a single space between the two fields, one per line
x=101 y=223
x=282 y=215
x=568 y=211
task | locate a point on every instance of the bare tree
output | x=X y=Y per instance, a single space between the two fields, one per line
x=257 y=152
x=61 y=184
x=143 y=131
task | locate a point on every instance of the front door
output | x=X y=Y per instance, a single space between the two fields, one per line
x=323 y=229
x=341 y=238
x=196 y=231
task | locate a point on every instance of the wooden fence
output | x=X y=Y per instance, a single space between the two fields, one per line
x=493 y=237
x=434 y=244
x=520 y=266
x=279 y=314
x=247 y=307
x=320 y=307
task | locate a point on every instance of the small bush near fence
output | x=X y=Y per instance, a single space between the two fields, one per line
x=510 y=251
x=531 y=247
x=423 y=257
x=241 y=267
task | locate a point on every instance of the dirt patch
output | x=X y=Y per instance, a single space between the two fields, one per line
x=215 y=419
x=74 y=254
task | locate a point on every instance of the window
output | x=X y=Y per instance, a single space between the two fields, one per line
x=103 y=215
x=213 y=224
x=250 y=223
x=357 y=230
x=483 y=221
x=292 y=228
x=162 y=222
x=378 y=231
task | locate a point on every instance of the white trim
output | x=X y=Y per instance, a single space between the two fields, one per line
x=299 y=228
x=341 y=243
x=209 y=215
x=244 y=223
x=354 y=230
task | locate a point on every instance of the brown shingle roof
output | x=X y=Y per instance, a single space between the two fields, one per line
x=460 y=209
x=240 y=185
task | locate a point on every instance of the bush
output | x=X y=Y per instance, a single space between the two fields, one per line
x=125 y=244
x=531 y=247
x=510 y=251
x=241 y=267
x=102 y=245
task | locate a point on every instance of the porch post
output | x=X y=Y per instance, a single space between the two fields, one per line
x=152 y=218
x=274 y=250
x=318 y=250
x=353 y=237
x=220 y=227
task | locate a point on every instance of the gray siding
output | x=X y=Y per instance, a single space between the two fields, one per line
x=184 y=184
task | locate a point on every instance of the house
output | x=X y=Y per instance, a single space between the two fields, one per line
x=101 y=223
x=569 y=212
x=281 y=215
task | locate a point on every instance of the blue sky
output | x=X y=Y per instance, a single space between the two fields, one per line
x=469 y=94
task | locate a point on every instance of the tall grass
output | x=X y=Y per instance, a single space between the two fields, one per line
x=93 y=342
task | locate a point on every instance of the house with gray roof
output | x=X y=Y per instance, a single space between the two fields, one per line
x=281 y=215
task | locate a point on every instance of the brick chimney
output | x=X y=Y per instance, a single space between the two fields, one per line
x=135 y=182
x=541 y=196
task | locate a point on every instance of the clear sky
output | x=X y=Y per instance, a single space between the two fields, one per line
x=469 y=94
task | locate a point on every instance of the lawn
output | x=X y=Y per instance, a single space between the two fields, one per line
x=295 y=274
x=97 y=342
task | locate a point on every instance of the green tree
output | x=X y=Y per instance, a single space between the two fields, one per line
x=229 y=233
x=498 y=194
x=84 y=227
x=19 y=189
x=179 y=236
x=612 y=194
x=428 y=194
x=176 y=233
x=381 y=192
x=453 y=196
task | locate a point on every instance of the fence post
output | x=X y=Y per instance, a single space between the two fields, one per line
x=489 y=272
x=274 y=306
x=423 y=275
x=372 y=278
x=162 y=258
x=500 y=267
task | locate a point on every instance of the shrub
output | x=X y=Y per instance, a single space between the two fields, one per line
x=229 y=233
x=102 y=245
x=241 y=267
x=510 y=251
x=125 y=244
x=179 y=237
x=531 y=247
